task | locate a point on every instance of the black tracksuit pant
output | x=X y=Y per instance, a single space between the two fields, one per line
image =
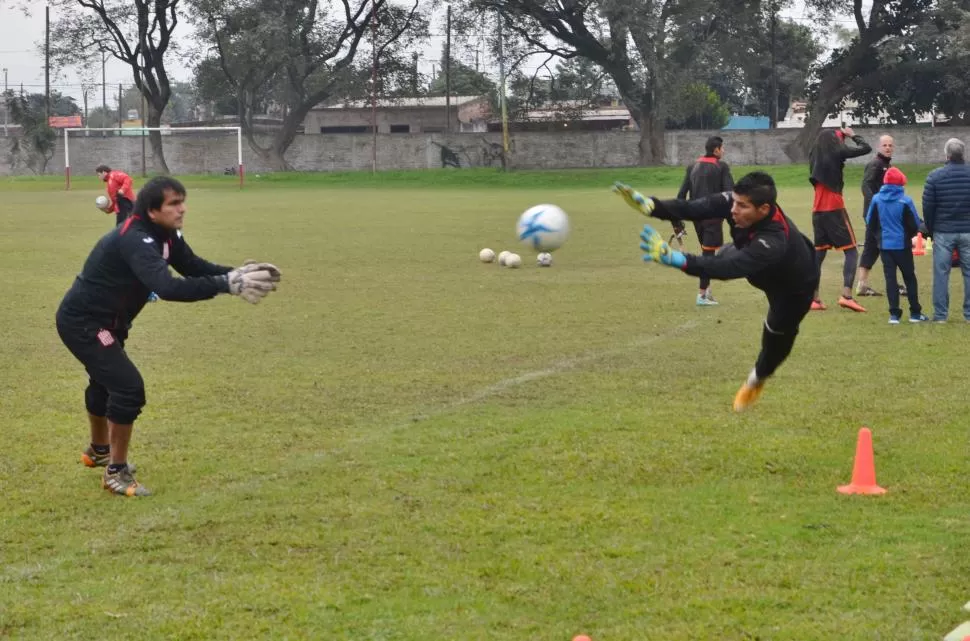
x=902 y=259
x=785 y=314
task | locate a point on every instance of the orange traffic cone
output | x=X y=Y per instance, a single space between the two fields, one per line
x=864 y=470
x=919 y=245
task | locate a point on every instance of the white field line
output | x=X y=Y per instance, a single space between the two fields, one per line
x=557 y=368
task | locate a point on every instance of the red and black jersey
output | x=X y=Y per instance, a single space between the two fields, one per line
x=773 y=255
x=127 y=264
x=827 y=159
x=707 y=176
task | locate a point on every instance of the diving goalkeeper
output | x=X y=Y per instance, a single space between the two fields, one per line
x=768 y=250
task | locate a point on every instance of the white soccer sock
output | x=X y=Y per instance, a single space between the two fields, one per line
x=753 y=380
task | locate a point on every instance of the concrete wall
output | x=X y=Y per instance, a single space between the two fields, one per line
x=470 y=116
x=195 y=153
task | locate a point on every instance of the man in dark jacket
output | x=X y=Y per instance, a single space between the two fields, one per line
x=96 y=313
x=768 y=251
x=706 y=176
x=946 y=212
x=829 y=217
x=871 y=184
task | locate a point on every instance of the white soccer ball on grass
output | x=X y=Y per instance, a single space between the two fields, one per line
x=544 y=259
x=486 y=255
x=513 y=260
x=502 y=256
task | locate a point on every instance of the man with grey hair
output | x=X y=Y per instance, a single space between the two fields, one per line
x=946 y=211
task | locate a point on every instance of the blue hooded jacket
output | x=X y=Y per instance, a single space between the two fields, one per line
x=892 y=215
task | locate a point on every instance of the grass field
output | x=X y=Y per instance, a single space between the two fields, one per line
x=403 y=443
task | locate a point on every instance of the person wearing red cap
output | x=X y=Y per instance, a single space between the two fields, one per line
x=893 y=221
x=830 y=221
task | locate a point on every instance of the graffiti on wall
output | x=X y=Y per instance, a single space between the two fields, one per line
x=484 y=154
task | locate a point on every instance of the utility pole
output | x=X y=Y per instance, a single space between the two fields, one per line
x=501 y=95
x=144 y=114
x=104 y=95
x=84 y=94
x=448 y=71
x=47 y=62
x=6 y=111
x=373 y=84
x=414 y=73
x=773 y=110
x=120 y=110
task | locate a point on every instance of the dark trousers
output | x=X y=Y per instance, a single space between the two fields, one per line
x=124 y=209
x=115 y=387
x=785 y=314
x=902 y=259
x=706 y=282
x=870 y=252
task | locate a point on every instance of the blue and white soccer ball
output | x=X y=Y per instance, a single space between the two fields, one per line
x=544 y=228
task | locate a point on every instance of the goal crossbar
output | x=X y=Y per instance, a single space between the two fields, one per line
x=143 y=131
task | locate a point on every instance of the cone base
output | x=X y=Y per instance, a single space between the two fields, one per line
x=861 y=489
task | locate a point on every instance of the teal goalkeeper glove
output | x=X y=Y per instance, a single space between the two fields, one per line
x=634 y=198
x=657 y=250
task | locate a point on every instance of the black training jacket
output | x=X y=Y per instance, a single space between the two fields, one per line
x=872 y=179
x=772 y=254
x=127 y=264
x=705 y=177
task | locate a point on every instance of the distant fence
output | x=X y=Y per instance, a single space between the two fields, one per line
x=195 y=154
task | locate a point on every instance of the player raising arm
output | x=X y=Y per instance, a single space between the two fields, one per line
x=768 y=250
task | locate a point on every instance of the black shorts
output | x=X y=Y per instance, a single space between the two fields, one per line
x=710 y=233
x=115 y=389
x=833 y=230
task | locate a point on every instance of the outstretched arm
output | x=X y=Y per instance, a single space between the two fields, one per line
x=766 y=250
x=716 y=206
x=187 y=263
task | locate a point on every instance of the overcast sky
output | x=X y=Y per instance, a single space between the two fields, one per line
x=20 y=55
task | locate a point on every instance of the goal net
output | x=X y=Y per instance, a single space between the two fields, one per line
x=188 y=150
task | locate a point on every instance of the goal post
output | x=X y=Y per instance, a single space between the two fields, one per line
x=141 y=131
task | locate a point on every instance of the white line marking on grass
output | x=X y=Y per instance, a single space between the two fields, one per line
x=557 y=368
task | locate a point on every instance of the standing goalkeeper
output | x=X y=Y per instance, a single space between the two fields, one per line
x=768 y=250
x=96 y=313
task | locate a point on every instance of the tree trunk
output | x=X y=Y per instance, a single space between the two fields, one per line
x=650 y=148
x=286 y=134
x=155 y=139
x=270 y=156
x=651 y=145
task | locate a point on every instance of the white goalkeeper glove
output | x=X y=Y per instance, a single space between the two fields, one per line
x=249 y=265
x=251 y=286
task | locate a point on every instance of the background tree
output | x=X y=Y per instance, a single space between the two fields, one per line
x=213 y=88
x=697 y=106
x=136 y=32
x=464 y=80
x=647 y=47
x=34 y=147
x=305 y=48
x=884 y=23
